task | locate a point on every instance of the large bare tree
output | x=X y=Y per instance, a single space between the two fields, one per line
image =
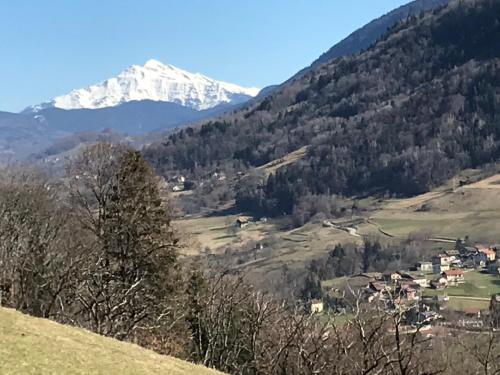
x=127 y=287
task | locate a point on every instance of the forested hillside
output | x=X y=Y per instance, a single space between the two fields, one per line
x=364 y=37
x=401 y=118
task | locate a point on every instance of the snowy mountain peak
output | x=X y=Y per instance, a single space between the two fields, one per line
x=154 y=81
x=154 y=64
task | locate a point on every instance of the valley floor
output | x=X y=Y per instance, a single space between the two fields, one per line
x=439 y=217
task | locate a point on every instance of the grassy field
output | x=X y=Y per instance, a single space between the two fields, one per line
x=37 y=346
x=477 y=285
x=470 y=210
x=218 y=231
x=291 y=158
x=460 y=304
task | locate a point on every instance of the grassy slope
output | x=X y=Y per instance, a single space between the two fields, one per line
x=37 y=346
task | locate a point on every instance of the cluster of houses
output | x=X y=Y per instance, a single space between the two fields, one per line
x=478 y=257
x=179 y=183
x=406 y=287
x=447 y=268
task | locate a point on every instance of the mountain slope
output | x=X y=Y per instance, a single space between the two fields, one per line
x=37 y=346
x=132 y=117
x=157 y=82
x=20 y=135
x=400 y=118
x=366 y=36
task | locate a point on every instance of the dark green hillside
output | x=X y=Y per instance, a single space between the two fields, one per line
x=402 y=117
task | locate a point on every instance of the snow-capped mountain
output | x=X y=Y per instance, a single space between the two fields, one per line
x=156 y=82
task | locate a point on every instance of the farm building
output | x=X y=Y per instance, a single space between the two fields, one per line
x=242 y=222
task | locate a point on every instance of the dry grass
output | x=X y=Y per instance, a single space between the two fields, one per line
x=215 y=232
x=291 y=158
x=37 y=346
x=492 y=182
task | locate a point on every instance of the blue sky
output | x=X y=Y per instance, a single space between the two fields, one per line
x=51 y=47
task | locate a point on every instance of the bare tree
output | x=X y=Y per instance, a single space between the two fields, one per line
x=37 y=252
x=127 y=287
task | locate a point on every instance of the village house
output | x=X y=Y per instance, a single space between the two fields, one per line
x=391 y=277
x=453 y=276
x=480 y=259
x=441 y=263
x=467 y=250
x=406 y=293
x=316 y=306
x=472 y=312
x=438 y=269
x=489 y=253
x=424 y=267
x=377 y=290
x=452 y=254
x=421 y=281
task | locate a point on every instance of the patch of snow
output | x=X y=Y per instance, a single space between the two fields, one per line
x=153 y=81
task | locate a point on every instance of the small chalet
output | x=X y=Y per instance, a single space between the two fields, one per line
x=242 y=222
x=316 y=306
x=453 y=276
x=442 y=259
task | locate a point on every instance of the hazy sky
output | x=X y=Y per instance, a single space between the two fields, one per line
x=50 y=47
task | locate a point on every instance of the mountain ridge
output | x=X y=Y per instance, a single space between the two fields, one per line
x=156 y=82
